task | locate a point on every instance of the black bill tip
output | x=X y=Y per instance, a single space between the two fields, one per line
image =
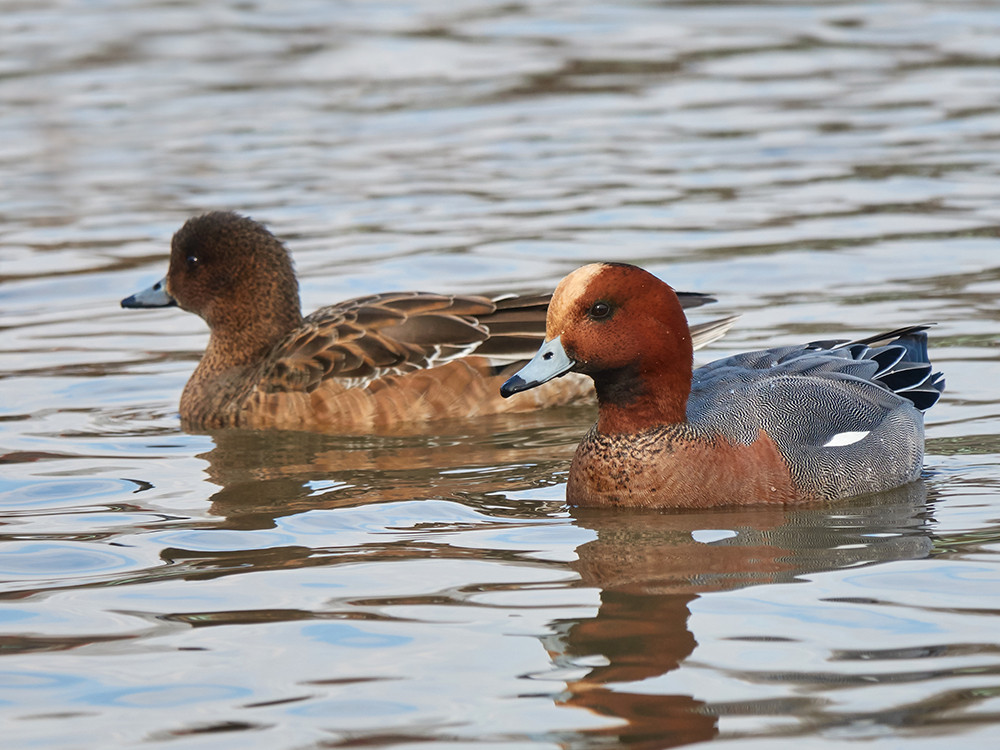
x=514 y=384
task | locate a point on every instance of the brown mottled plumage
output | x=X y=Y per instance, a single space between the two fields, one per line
x=380 y=363
x=640 y=469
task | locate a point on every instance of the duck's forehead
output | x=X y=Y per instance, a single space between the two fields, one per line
x=185 y=239
x=573 y=289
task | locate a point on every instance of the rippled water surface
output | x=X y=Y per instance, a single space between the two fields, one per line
x=825 y=169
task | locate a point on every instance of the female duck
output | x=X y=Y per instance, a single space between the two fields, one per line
x=380 y=363
x=825 y=420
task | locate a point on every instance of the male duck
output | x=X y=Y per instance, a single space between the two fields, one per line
x=380 y=363
x=825 y=420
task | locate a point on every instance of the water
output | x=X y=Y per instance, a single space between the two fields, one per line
x=823 y=168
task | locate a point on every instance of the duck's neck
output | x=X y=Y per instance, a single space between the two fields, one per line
x=221 y=379
x=637 y=397
x=240 y=339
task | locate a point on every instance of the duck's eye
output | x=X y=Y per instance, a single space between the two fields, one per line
x=192 y=262
x=599 y=310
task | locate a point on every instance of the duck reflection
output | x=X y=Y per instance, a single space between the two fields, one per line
x=649 y=567
x=265 y=475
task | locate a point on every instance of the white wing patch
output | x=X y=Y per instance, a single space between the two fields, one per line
x=845 y=438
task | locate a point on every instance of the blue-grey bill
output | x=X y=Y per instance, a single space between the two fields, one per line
x=549 y=362
x=154 y=296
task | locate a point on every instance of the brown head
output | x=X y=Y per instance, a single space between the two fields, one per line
x=625 y=328
x=237 y=276
x=234 y=273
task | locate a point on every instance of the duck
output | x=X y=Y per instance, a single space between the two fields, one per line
x=387 y=362
x=814 y=422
